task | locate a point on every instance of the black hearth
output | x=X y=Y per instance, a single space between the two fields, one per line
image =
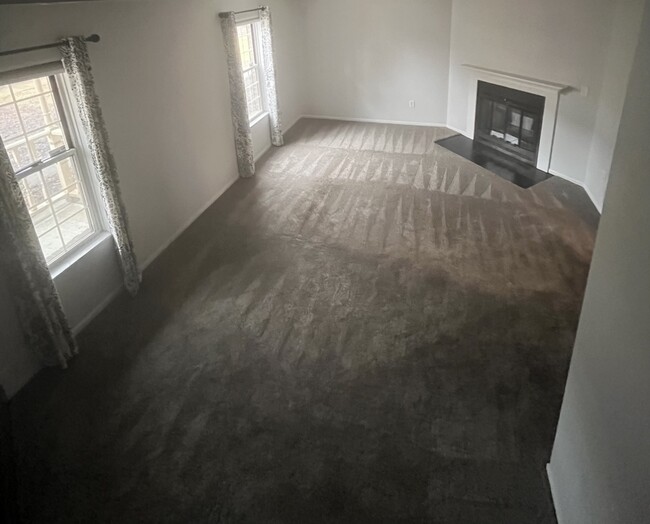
x=507 y=167
x=509 y=120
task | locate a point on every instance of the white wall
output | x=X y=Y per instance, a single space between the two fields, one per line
x=623 y=38
x=288 y=17
x=161 y=76
x=600 y=466
x=564 y=41
x=367 y=58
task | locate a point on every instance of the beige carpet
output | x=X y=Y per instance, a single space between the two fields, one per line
x=391 y=190
x=370 y=330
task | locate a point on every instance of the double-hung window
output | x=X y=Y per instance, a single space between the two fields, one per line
x=38 y=132
x=249 y=50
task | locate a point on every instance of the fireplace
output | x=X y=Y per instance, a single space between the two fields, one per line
x=509 y=120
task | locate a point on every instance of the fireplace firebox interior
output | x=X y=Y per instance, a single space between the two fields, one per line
x=509 y=120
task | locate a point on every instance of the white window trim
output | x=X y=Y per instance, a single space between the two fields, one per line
x=27 y=73
x=87 y=171
x=247 y=18
x=69 y=259
x=259 y=65
x=90 y=184
x=78 y=150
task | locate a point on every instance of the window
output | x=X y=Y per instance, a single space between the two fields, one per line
x=251 y=64
x=36 y=131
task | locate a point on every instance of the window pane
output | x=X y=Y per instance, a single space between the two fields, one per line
x=38 y=112
x=250 y=77
x=5 y=94
x=59 y=176
x=68 y=202
x=30 y=87
x=255 y=107
x=253 y=92
x=246 y=46
x=9 y=122
x=31 y=129
x=51 y=244
x=46 y=140
x=43 y=218
x=19 y=154
x=246 y=34
x=255 y=101
x=75 y=228
x=33 y=190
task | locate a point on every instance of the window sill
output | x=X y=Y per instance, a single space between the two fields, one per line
x=71 y=258
x=258 y=118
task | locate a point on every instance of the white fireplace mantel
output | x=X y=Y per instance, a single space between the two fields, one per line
x=551 y=91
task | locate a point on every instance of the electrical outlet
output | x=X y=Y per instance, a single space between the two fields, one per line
x=412 y=104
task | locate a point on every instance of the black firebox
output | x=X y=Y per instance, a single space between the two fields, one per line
x=509 y=120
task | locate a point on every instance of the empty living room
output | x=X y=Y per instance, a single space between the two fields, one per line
x=325 y=261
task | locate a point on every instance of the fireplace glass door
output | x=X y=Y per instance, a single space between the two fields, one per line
x=509 y=120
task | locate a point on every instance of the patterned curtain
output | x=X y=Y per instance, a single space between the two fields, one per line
x=76 y=63
x=269 y=73
x=240 y=122
x=23 y=264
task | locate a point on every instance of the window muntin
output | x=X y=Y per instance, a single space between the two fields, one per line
x=37 y=138
x=248 y=50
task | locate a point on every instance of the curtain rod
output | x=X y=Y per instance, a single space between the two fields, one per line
x=92 y=38
x=223 y=15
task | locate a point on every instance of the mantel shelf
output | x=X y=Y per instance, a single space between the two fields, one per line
x=544 y=84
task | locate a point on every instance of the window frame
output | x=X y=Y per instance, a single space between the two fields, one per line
x=259 y=67
x=79 y=153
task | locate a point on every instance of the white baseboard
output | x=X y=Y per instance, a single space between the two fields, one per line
x=295 y=121
x=375 y=121
x=96 y=310
x=188 y=223
x=456 y=130
x=549 y=476
x=567 y=177
x=269 y=145
x=597 y=205
x=262 y=153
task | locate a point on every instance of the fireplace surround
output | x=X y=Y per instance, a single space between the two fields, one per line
x=550 y=91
